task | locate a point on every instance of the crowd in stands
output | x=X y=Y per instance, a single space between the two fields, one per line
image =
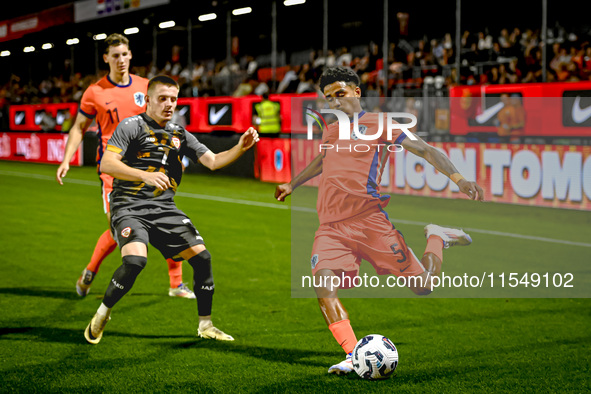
x=511 y=56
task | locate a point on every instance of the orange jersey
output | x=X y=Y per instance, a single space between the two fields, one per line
x=352 y=170
x=110 y=103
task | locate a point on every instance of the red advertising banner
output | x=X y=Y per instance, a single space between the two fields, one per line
x=544 y=109
x=557 y=176
x=29 y=117
x=36 y=147
x=18 y=27
x=272 y=161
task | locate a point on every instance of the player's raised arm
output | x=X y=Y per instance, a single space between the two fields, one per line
x=74 y=140
x=443 y=165
x=111 y=164
x=313 y=169
x=215 y=161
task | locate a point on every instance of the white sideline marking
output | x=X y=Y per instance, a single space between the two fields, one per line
x=299 y=209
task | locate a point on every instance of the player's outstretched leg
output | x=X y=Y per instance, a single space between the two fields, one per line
x=121 y=282
x=204 y=288
x=450 y=236
x=104 y=246
x=177 y=287
x=337 y=318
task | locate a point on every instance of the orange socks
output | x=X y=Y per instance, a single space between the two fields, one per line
x=175 y=272
x=104 y=246
x=343 y=333
x=435 y=246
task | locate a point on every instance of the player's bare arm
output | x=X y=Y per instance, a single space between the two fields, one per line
x=74 y=140
x=111 y=164
x=443 y=165
x=215 y=161
x=313 y=169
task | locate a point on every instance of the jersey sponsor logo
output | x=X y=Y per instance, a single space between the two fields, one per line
x=126 y=232
x=314 y=261
x=149 y=139
x=176 y=142
x=139 y=98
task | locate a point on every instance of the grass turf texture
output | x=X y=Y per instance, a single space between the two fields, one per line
x=282 y=344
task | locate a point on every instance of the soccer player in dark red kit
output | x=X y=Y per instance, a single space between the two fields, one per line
x=114 y=97
x=353 y=224
x=144 y=156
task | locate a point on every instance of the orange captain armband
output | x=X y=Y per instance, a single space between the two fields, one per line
x=456 y=177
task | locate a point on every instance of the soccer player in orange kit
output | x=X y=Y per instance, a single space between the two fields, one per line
x=114 y=97
x=353 y=224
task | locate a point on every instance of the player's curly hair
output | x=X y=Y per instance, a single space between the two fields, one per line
x=338 y=74
x=114 y=40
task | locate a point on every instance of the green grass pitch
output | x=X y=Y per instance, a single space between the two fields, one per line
x=506 y=344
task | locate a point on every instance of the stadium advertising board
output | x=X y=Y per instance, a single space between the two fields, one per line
x=18 y=27
x=542 y=175
x=547 y=110
x=36 y=148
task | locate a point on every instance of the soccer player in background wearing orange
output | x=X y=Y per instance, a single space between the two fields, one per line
x=116 y=96
x=353 y=224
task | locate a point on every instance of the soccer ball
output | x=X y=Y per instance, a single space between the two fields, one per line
x=375 y=357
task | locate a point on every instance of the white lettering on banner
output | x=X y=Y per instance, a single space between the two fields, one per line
x=586 y=175
x=497 y=160
x=26 y=24
x=3 y=31
x=55 y=150
x=415 y=178
x=5 y=145
x=525 y=186
x=400 y=170
x=30 y=148
x=558 y=180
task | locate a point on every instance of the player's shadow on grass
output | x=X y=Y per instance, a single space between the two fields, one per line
x=282 y=355
x=44 y=292
x=65 y=335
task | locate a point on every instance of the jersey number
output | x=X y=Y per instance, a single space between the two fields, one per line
x=396 y=251
x=116 y=115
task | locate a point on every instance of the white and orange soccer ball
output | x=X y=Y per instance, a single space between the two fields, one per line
x=375 y=357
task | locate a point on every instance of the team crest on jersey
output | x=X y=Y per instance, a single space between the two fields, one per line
x=314 y=261
x=176 y=142
x=126 y=232
x=362 y=130
x=139 y=98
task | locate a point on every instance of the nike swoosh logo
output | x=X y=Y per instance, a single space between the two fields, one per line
x=18 y=118
x=108 y=103
x=404 y=269
x=489 y=113
x=214 y=117
x=579 y=114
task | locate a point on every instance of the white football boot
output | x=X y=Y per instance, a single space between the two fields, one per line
x=211 y=332
x=450 y=236
x=342 y=368
x=182 y=291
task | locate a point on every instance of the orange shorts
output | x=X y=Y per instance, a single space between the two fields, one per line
x=341 y=246
x=106 y=189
